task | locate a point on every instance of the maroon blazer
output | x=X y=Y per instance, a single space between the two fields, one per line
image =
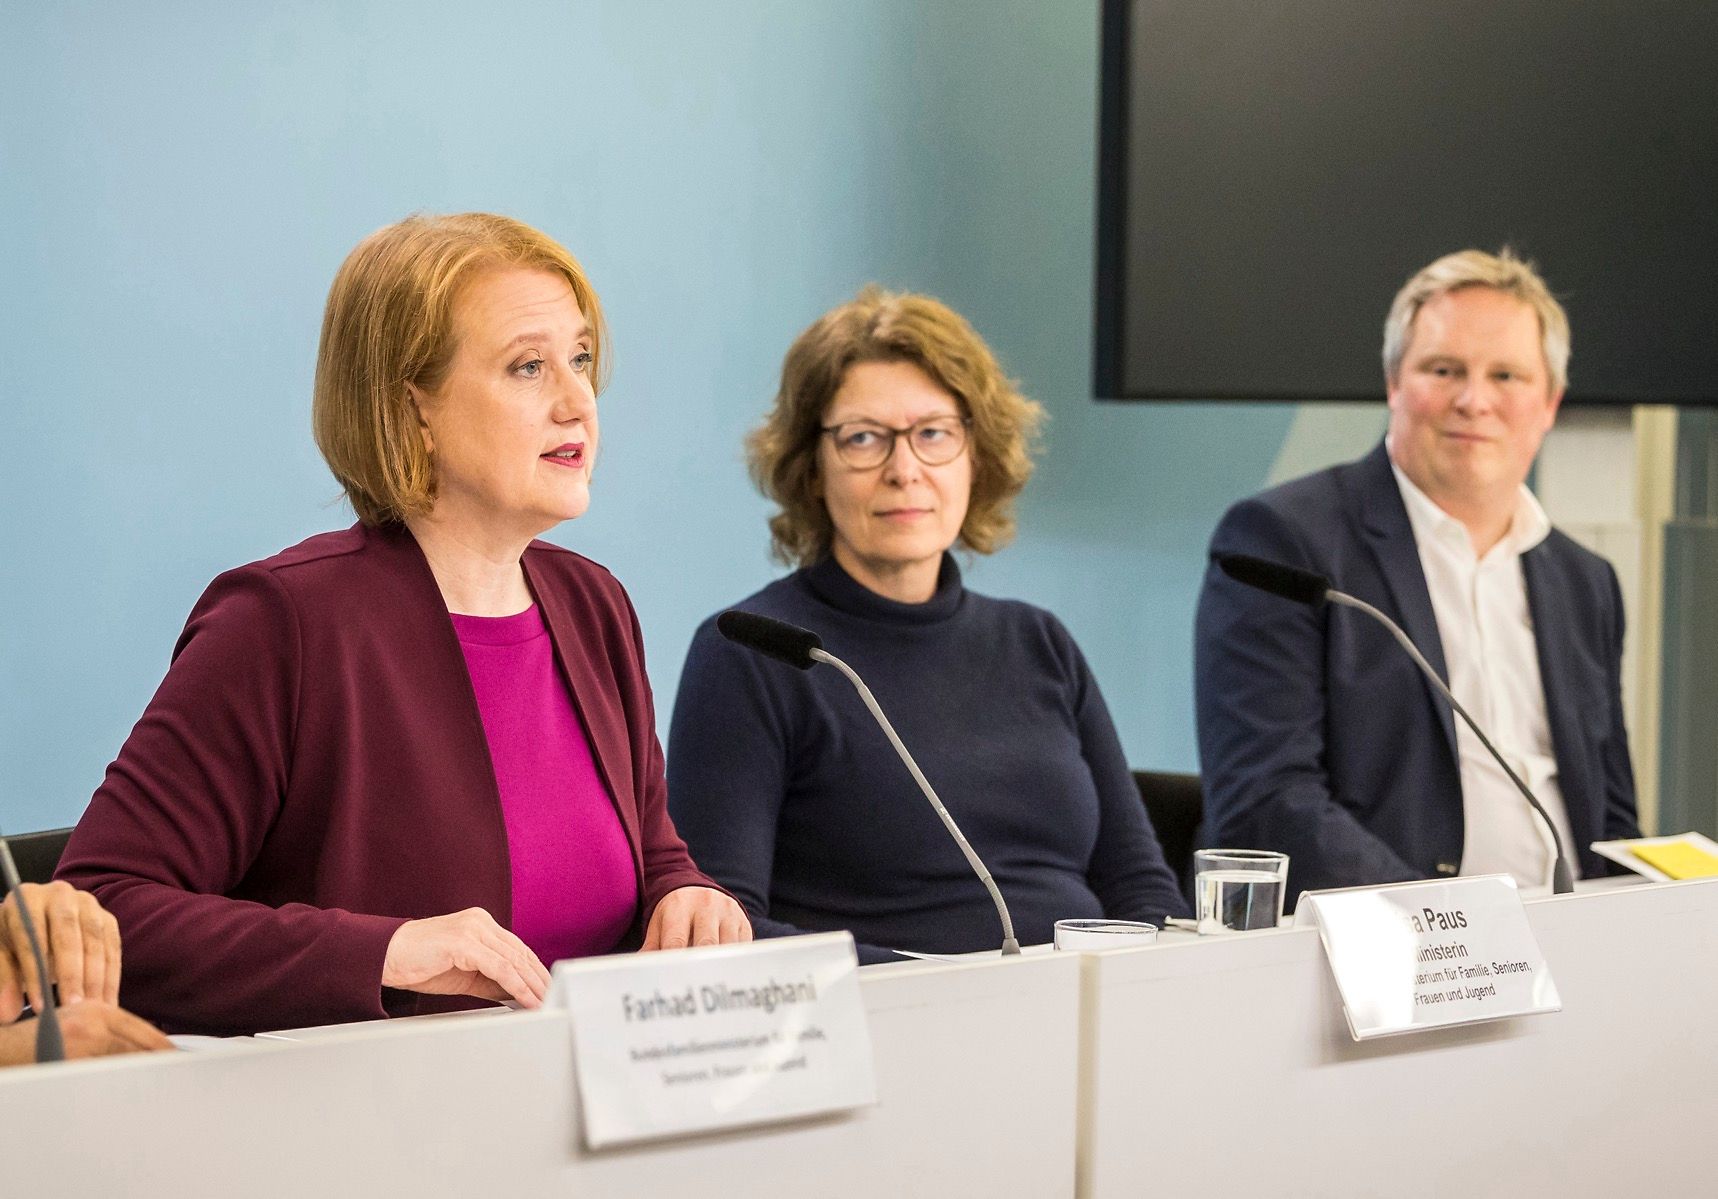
x=313 y=773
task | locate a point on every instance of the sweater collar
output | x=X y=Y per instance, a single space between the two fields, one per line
x=840 y=590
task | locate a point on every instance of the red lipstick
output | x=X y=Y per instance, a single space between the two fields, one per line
x=571 y=453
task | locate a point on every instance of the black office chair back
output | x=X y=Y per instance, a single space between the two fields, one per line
x=38 y=854
x=1176 y=806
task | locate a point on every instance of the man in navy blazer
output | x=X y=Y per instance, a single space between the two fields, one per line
x=1317 y=734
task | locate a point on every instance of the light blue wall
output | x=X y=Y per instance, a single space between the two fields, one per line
x=178 y=184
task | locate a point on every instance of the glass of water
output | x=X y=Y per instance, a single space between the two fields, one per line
x=1239 y=889
x=1088 y=935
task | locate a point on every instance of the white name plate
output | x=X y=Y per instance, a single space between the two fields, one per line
x=1428 y=955
x=698 y=1039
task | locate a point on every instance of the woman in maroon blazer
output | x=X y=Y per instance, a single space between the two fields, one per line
x=417 y=757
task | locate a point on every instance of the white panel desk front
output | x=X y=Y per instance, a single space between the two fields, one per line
x=1224 y=1066
x=976 y=1082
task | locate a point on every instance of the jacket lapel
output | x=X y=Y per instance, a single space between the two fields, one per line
x=1554 y=635
x=422 y=622
x=1376 y=502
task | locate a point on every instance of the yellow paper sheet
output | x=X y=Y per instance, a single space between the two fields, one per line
x=1678 y=859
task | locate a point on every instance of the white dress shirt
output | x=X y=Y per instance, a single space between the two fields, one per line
x=1492 y=662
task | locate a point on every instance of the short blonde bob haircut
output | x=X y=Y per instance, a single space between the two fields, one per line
x=882 y=326
x=389 y=322
x=1503 y=271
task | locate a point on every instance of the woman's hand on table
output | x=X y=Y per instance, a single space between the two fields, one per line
x=465 y=953
x=696 y=916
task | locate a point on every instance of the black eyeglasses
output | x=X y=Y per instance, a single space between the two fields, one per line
x=864 y=444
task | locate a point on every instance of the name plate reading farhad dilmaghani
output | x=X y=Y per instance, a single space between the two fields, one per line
x=698 y=1039
x=1428 y=955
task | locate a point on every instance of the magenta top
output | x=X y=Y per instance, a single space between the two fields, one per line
x=574 y=890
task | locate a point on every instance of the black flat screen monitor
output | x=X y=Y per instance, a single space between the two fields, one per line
x=1272 y=171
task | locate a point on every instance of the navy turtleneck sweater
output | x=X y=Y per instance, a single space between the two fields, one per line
x=790 y=796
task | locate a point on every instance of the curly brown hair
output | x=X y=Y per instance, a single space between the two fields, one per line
x=884 y=326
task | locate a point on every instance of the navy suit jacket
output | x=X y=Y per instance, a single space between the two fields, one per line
x=1319 y=737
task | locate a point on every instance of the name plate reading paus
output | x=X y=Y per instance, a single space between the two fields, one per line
x=1413 y=956
x=694 y=1040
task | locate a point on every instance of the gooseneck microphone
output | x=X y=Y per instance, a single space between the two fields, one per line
x=804 y=649
x=50 y=1047
x=773 y=638
x=1305 y=587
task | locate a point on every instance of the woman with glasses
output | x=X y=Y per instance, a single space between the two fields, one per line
x=894 y=438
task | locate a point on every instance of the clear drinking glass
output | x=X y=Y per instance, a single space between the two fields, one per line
x=1104 y=934
x=1239 y=889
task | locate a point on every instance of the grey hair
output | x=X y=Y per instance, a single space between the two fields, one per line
x=1504 y=271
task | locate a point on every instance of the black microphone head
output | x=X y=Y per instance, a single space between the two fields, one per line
x=782 y=641
x=1289 y=582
